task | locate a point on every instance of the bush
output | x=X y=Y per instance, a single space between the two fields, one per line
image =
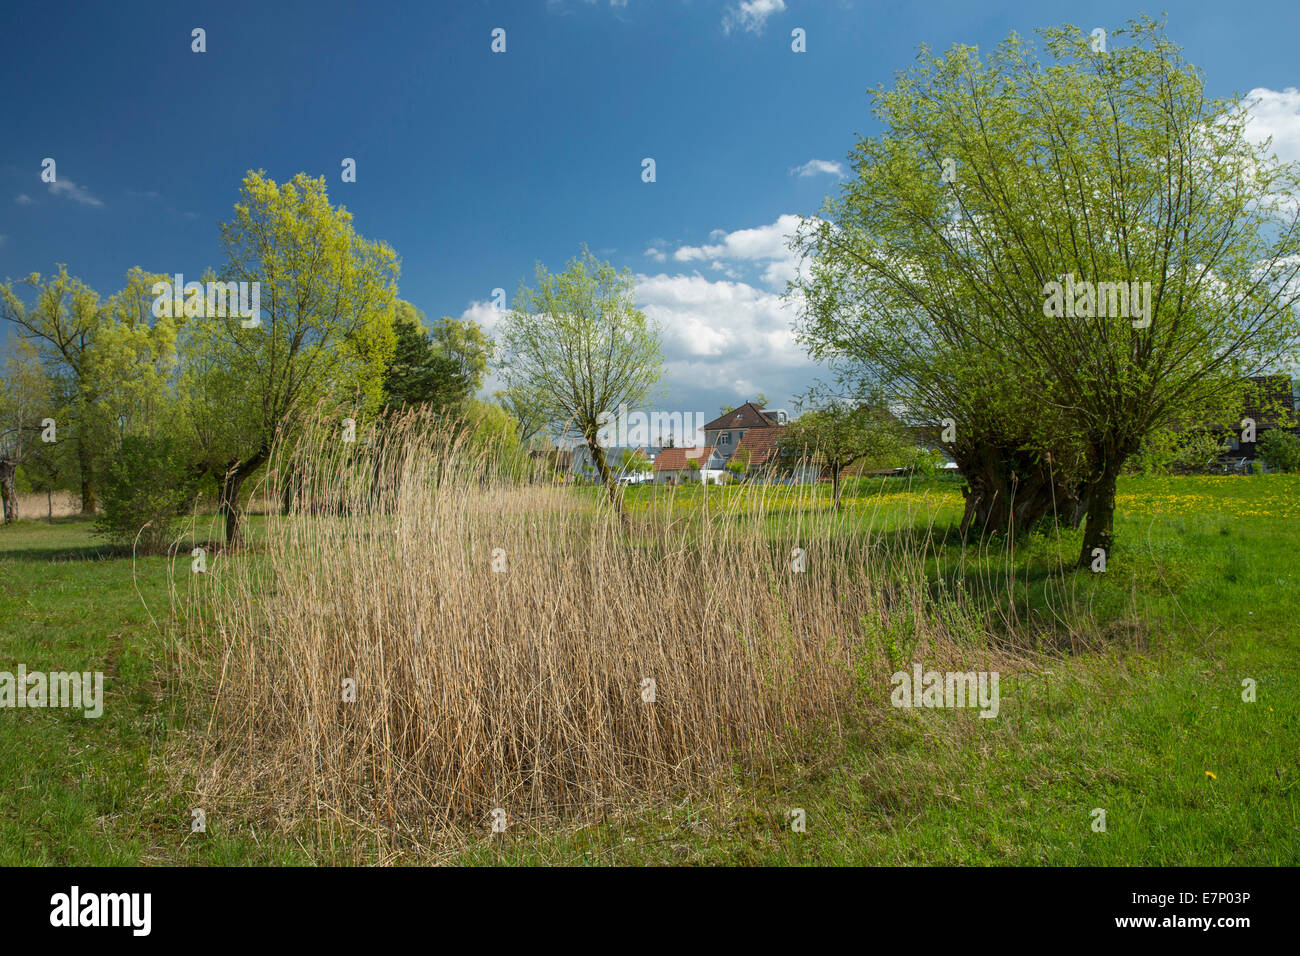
x=1166 y=452
x=1280 y=450
x=925 y=462
x=148 y=486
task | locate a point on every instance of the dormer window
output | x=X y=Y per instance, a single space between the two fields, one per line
x=724 y=438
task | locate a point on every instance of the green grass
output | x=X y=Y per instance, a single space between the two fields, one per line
x=1202 y=593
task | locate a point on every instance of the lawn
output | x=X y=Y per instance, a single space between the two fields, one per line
x=1142 y=717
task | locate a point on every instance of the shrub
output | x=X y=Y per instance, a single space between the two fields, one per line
x=145 y=489
x=925 y=462
x=1165 y=452
x=1280 y=450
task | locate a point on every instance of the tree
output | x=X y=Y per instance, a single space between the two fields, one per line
x=420 y=372
x=64 y=321
x=146 y=488
x=24 y=394
x=1000 y=190
x=326 y=333
x=635 y=462
x=464 y=343
x=578 y=343
x=738 y=464
x=528 y=410
x=840 y=435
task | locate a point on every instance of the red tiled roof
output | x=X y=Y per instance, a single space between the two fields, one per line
x=761 y=444
x=674 y=459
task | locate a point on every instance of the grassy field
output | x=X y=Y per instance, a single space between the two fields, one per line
x=1141 y=716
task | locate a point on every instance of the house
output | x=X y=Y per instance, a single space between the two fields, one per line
x=751 y=435
x=1271 y=402
x=673 y=466
x=726 y=431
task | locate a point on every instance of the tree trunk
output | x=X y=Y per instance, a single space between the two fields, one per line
x=1009 y=491
x=286 y=494
x=8 y=468
x=606 y=476
x=1099 y=531
x=228 y=499
x=835 y=487
x=88 y=502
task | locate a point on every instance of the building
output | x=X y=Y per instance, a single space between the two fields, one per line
x=1271 y=402
x=673 y=466
x=750 y=436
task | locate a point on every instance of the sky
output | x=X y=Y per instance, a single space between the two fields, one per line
x=476 y=165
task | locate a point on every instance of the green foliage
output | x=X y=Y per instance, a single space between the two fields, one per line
x=328 y=296
x=578 y=343
x=528 y=409
x=635 y=462
x=841 y=435
x=464 y=343
x=738 y=464
x=926 y=462
x=996 y=173
x=149 y=485
x=420 y=373
x=1280 y=450
x=1166 y=451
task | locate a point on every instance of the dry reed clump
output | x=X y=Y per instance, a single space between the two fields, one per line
x=516 y=645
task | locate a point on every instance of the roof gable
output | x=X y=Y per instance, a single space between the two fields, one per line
x=748 y=415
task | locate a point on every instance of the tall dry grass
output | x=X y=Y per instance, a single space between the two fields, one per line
x=502 y=636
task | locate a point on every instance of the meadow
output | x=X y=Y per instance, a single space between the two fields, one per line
x=1120 y=691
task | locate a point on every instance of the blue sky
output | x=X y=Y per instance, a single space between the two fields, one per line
x=475 y=165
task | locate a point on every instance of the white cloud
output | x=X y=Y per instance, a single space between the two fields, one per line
x=23 y=199
x=816 y=167
x=1277 y=114
x=66 y=187
x=765 y=245
x=724 y=338
x=723 y=341
x=763 y=242
x=751 y=15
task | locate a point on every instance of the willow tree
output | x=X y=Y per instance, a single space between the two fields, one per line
x=324 y=332
x=1057 y=256
x=579 y=346
x=64 y=321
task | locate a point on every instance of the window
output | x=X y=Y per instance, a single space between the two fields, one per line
x=724 y=438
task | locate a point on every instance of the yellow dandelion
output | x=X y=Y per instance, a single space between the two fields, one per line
x=1211 y=775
